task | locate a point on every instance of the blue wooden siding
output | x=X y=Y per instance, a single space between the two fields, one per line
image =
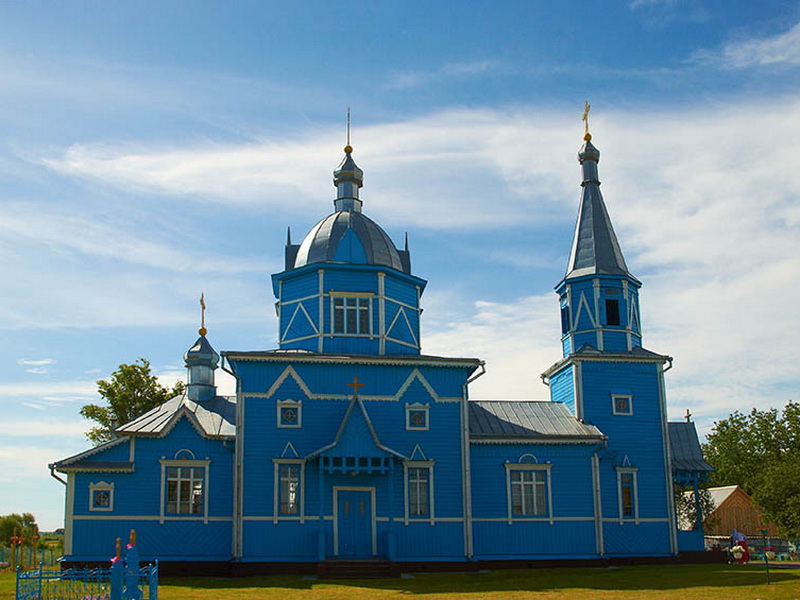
x=540 y=540
x=137 y=502
x=562 y=387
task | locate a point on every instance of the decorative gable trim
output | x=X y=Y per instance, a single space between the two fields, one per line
x=299 y=309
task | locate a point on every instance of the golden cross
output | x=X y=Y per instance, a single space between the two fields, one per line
x=688 y=416
x=355 y=385
x=203 y=329
x=585 y=117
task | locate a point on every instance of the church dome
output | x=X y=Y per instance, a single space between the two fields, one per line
x=348 y=237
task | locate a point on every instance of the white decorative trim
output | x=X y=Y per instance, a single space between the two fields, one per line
x=297 y=405
x=300 y=308
x=629 y=398
x=627 y=470
x=301 y=481
x=101 y=487
x=168 y=463
x=528 y=466
x=401 y=311
x=420 y=408
x=418 y=464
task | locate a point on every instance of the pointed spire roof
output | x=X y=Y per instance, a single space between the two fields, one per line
x=595 y=249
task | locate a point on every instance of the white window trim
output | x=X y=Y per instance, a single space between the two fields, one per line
x=276 y=490
x=510 y=467
x=166 y=463
x=629 y=398
x=418 y=464
x=101 y=486
x=632 y=471
x=297 y=405
x=417 y=406
x=359 y=295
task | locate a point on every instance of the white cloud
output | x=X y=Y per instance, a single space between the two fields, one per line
x=782 y=49
x=40 y=428
x=56 y=391
x=36 y=362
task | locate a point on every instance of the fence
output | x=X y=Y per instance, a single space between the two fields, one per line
x=42 y=556
x=124 y=580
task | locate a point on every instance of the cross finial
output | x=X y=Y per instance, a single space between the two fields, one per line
x=688 y=416
x=348 y=148
x=355 y=385
x=585 y=118
x=202 y=330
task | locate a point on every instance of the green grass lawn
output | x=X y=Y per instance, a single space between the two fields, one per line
x=687 y=582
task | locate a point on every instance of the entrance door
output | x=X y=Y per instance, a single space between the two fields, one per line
x=354 y=523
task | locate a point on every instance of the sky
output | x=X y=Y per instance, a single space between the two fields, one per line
x=152 y=151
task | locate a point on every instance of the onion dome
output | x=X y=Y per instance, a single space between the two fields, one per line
x=201 y=362
x=347 y=235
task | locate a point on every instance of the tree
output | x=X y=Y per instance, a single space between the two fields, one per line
x=686 y=508
x=22 y=525
x=130 y=392
x=760 y=451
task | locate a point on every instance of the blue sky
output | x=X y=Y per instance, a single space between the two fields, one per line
x=151 y=151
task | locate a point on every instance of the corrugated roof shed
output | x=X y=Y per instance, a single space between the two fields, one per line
x=538 y=420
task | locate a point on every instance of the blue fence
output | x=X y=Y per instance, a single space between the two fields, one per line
x=124 y=580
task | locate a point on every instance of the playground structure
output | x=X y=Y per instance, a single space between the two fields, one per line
x=124 y=580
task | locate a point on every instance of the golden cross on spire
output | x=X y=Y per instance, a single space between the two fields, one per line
x=348 y=148
x=202 y=330
x=585 y=118
x=688 y=416
x=355 y=385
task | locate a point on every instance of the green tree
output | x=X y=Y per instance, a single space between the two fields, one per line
x=760 y=451
x=130 y=392
x=24 y=525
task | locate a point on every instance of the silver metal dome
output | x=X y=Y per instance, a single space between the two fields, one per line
x=348 y=237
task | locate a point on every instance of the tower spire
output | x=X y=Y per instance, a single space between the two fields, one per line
x=348 y=178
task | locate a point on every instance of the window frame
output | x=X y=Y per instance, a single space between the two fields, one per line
x=277 y=501
x=99 y=488
x=512 y=468
x=295 y=404
x=408 y=467
x=417 y=407
x=622 y=413
x=633 y=517
x=179 y=463
x=363 y=314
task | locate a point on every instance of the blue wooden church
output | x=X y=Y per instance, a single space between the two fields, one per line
x=347 y=443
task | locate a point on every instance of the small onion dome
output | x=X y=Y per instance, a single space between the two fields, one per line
x=348 y=237
x=588 y=150
x=201 y=353
x=348 y=170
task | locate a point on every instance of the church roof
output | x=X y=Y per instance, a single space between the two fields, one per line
x=684 y=448
x=214 y=418
x=348 y=237
x=535 y=420
x=595 y=249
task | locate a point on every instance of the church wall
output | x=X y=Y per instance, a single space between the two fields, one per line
x=321 y=417
x=572 y=530
x=137 y=502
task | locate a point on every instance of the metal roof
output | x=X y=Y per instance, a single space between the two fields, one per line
x=537 y=420
x=595 y=249
x=214 y=418
x=322 y=242
x=684 y=448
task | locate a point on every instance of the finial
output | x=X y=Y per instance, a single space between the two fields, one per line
x=202 y=330
x=585 y=118
x=348 y=148
x=688 y=416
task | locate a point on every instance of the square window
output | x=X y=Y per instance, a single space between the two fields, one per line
x=289 y=413
x=622 y=404
x=351 y=315
x=101 y=496
x=417 y=417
